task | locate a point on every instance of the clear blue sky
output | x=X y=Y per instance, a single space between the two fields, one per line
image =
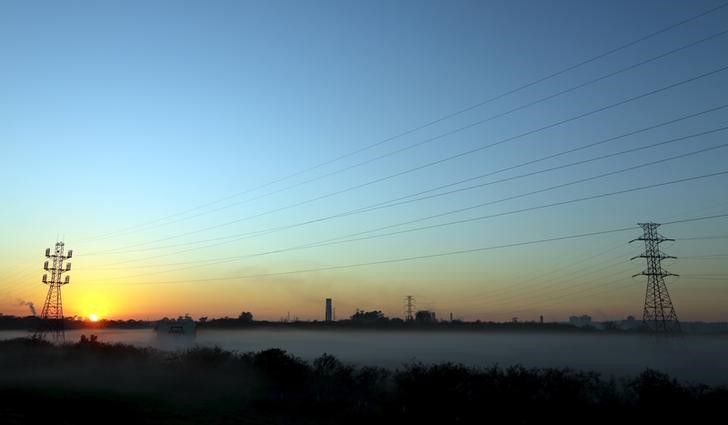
x=119 y=114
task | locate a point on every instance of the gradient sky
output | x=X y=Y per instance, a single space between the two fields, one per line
x=143 y=132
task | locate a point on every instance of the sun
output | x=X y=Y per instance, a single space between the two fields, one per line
x=93 y=317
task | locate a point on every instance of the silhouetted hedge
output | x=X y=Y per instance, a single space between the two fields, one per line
x=95 y=383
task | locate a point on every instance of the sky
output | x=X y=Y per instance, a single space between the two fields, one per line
x=217 y=157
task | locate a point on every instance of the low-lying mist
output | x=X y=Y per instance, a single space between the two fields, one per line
x=90 y=382
x=695 y=358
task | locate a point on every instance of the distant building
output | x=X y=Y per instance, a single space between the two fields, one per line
x=329 y=313
x=630 y=323
x=425 y=316
x=581 y=321
x=541 y=319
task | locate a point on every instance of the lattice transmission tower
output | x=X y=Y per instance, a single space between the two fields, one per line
x=658 y=314
x=52 y=314
x=409 y=308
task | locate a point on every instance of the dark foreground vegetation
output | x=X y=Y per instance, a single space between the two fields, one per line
x=93 y=383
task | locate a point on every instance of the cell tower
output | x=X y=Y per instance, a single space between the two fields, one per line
x=409 y=308
x=658 y=314
x=52 y=313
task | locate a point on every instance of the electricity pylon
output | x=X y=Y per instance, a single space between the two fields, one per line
x=658 y=314
x=409 y=305
x=51 y=316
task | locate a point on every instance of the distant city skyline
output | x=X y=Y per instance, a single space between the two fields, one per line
x=491 y=159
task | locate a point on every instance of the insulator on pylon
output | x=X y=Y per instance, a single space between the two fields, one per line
x=68 y=279
x=45 y=266
x=48 y=252
x=70 y=253
x=68 y=267
x=45 y=278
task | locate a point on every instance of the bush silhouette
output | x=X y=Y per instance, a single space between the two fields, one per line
x=211 y=385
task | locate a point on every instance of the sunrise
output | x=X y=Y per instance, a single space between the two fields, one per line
x=356 y=211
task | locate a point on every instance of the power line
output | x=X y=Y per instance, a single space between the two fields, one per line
x=561 y=291
x=722 y=279
x=567 y=292
x=538 y=290
x=396 y=260
x=421 y=257
x=582 y=289
x=410 y=198
x=526 y=284
x=449 y=158
x=581 y=162
x=353 y=237
x=233 y=238
x=550 y=156
x=459 y=129
x=702 y=238
x=690 y=220
x=603 y=195
x=432 y=122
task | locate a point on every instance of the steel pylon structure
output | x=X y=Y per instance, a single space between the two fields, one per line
x=409 y=308
x=52 y=314
x=658 y=314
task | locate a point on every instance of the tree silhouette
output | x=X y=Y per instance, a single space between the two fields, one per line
x=368 y=316
x=246 y=317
